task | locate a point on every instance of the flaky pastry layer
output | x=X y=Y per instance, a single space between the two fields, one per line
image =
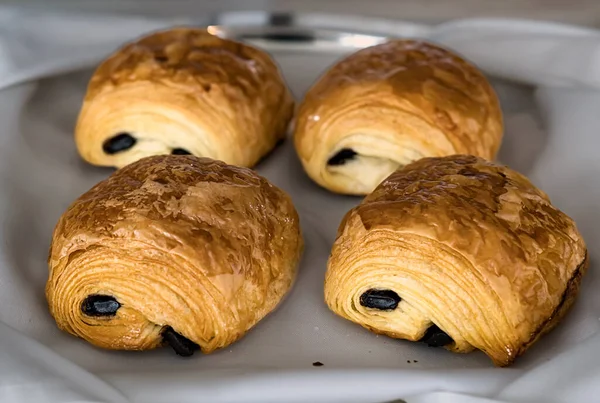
x=470 y=248
x=391 y=104
x=184 y=90
x=180 y=242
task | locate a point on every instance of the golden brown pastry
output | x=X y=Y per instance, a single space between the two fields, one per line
x=172 y=249
x=388 y=105
x=184 y=91
x=457 y=252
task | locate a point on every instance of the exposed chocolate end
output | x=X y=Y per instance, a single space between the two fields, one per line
x=182 y=346
x=180 y=151
x=318 y=364
x=343 y=156
x=118 y=143
x=100 y=305
x=436 y=337
x=384 y=300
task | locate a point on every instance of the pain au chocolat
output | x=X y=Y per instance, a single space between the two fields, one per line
x=457 y=252
x=176 y=250
x=391 y=104
x=184 y=91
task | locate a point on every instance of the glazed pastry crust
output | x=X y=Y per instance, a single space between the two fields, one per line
x=393 y=104
x=185 y=88
x=204 y=247
x=469 y=246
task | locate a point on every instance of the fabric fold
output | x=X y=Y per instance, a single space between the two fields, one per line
x=29 y=371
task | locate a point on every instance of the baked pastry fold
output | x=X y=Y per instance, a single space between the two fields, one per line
x=184 y=91
x=457 y=252
x=391 y=104
x=172 y=249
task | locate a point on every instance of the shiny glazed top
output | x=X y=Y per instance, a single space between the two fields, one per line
x=195 y=244
x=487 y=225
x=429 y=81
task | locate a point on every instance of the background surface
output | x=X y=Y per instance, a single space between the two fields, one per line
x=582 y=12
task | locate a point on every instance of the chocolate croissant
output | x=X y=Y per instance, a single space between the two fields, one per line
x=184 y=91
x=391 y=104
x=175 y=250
x=457 y=252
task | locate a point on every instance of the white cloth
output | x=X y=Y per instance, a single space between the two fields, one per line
x=40 y=174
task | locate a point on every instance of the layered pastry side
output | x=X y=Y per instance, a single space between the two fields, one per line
x=460 y=253
x=184 y=91
x=178 y=250
x=388 y=105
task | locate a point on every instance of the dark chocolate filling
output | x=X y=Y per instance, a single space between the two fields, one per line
x=100 y=305
x=180 y=151
x=182 y=346
x=436 y=337
x=344 y=155
x=384 y=300
x=118 y=143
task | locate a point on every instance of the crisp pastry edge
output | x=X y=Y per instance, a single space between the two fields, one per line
x=568 y=298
